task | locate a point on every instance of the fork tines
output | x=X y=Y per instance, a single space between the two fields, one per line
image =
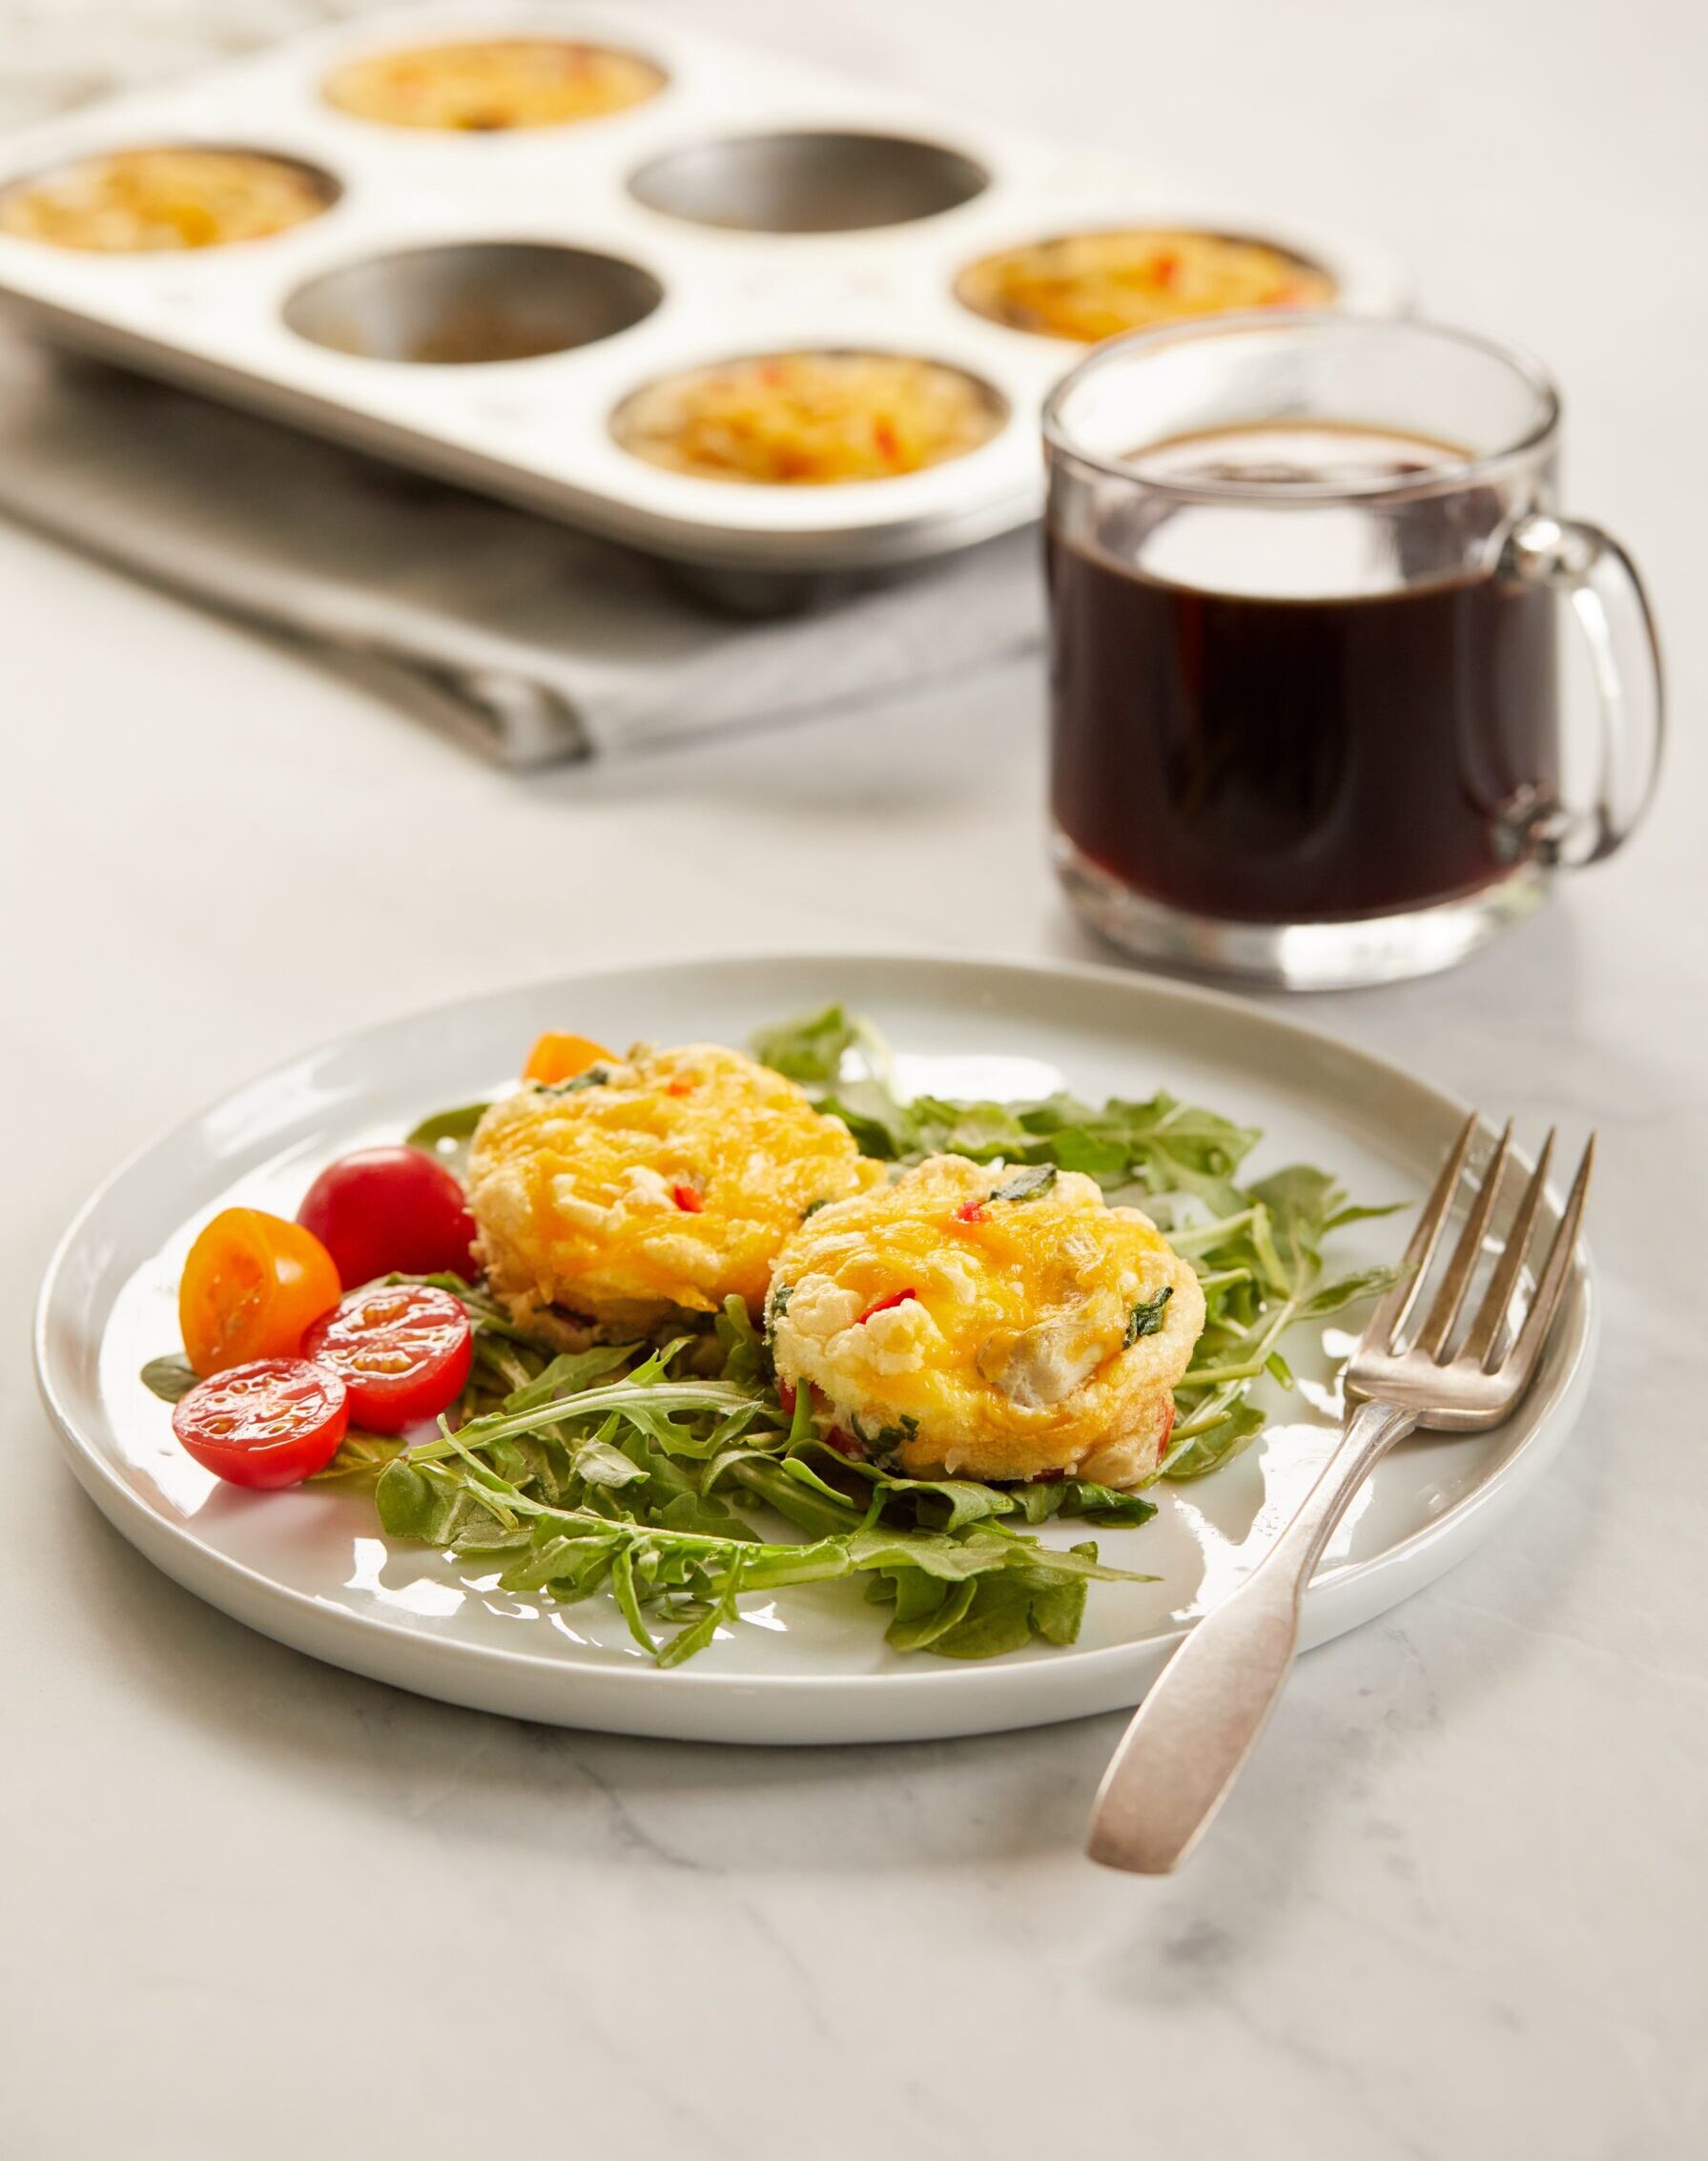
x=1484 y=1346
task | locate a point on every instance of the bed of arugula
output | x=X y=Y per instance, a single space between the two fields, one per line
x=656 y=1471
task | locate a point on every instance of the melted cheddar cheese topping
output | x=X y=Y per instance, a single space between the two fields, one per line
x=658 y=1184
x=974 y=1318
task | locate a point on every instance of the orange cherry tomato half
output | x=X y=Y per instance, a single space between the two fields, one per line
x=402 y=1350
x=557 y=1058
x=271 y=1423
x=250 y=1287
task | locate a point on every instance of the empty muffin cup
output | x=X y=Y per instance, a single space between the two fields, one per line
x=809 y=183
x=487 y=86
x=473 y=302
x=1089 y=286
x=165 y=197
x=810 y=418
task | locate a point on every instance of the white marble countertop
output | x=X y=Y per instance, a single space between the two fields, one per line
x=258 y=1907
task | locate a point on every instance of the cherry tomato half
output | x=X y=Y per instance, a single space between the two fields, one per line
x=557 y=1058
x=385 y=1209
x=250 y=1288
x=402 y=1351
x=268 y=1424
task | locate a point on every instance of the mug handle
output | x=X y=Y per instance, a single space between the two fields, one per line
x=1598 y=581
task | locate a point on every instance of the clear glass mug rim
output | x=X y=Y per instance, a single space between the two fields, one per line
x=1449 y=479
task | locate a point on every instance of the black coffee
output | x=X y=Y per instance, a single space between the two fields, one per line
x=1268 y=758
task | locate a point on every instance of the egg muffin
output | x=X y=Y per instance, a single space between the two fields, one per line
x=649 y=1186
x=489 y=85
x=809 y=419
x=1088 y=286
x=142 y=201
x=977 y=1321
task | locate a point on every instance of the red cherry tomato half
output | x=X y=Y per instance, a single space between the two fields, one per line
x=271 y=1423
x=385 y=1211
x=402 y=1351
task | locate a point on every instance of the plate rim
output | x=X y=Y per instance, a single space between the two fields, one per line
x=252 y=1588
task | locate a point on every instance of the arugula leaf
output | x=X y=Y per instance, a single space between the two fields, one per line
x=170 y=1378
x=810 y=1048
x=696 y=1635
x=359 y=1455
x=1054 y=1612
x=743 y=1358
x=1358 y=1214
x=928 y=1610
x=448 y=1133
x=881 y=1125
x=1097 y=1155
x=1196 y=1455
x=569 y=1372
x=812 y=1511
x=443 y=1510
x=1106 y=1506
x=1000 y=1613
x=939 y=1504
x=1345 y=1290
x=979 y=1130
x=988 y=1615
x=627 y=1592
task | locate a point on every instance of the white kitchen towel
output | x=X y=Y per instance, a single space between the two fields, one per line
x=533 y=642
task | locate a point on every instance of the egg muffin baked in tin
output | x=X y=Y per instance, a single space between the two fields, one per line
x=1088 y=286
x=810 y=418
x=648 y=1187
x=485 y=86
x=978 y=1321
x=174 y=196
x=775 y=208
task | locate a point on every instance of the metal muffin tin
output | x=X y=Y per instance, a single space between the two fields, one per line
x=632 y=241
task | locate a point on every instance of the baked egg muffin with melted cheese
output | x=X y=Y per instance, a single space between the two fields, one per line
x=649 y=1186
x=178 y=196
x=977 y=1321
x=1087 y=286
x=809 y=419
x=488 y=85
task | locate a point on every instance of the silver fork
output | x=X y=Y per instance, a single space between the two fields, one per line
x=1192 y=1734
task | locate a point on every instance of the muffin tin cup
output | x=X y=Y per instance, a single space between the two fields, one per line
x=478 y=305
x=815 y=180
x=472 y=303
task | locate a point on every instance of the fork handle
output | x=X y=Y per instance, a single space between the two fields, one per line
x=1202 y=1718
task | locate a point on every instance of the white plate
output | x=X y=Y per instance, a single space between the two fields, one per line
x=310 y=1569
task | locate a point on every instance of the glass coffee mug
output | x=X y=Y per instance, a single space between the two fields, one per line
x=1304 y=577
